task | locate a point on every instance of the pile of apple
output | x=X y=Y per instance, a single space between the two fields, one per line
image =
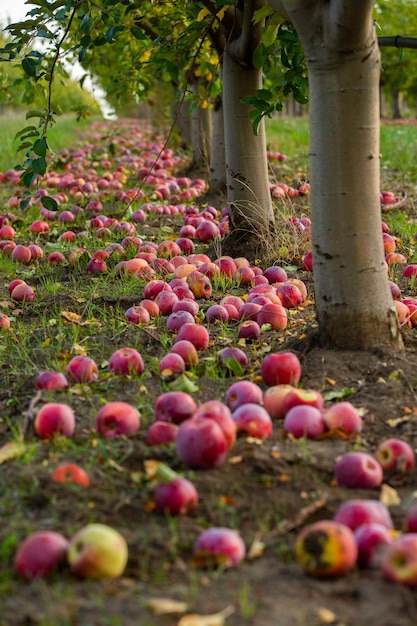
x=361 y=533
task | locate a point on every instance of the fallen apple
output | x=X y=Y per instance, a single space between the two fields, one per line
x=326 y=549
x=97 y=551
x=39 y=554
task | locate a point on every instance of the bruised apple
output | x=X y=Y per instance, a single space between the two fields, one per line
x=399 y=563
x=326 y=548
x=395 y=455
x=97 y=551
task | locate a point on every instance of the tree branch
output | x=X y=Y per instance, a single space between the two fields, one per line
x=397 y=41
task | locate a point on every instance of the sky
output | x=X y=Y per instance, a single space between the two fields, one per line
x=15 y=11
x=12 y=11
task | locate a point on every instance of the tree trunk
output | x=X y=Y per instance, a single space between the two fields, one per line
x=248 y=194
x=396 y=104
x=201 y=127
x=217 y=153
x=354 y=305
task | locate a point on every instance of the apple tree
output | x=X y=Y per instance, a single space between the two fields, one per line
x=354 y=306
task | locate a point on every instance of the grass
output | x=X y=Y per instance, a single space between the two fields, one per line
x=60 y=135
x=398 y=146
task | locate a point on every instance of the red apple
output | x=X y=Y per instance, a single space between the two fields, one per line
x=138 y=315
x=53 y=419
x=219 y=546
x=250 y=330
x=273 y=400
x=196 y=333
x=23 y=293
x=358 y=470
x=220 y=413
x=344 y=416
x=161 y=433
x=51 y=380
x=126 y=361
x=307 y=397
x=97 y=551
x=233 y=359
x=304 y=421
x=39 y=554
x=372 y=541
x=71 y=473
x=254 y=420
x=201 y=443
x=395 y=455
x=117 y=418
x=242 y=392
x=171 y=365
x=177 y=496
x=281 y=368
x=273 y=314
x=174 y=406
x=187 y=351
x=82 y=369
x=355 y=513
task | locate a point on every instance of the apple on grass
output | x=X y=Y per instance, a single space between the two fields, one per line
x=39 y=554
x=54 y=419
x=97 y=551
x=326 y=549
x=51 y=380
x=117 y=418
x=177 y=496
x=82 y=369
x=71 y=473
x=126 y=361
x=220 y=413
x=358 y=470
x=201 y=443
x=219 y=546
x=174 y=406
x=161 y=433
x=242 y=392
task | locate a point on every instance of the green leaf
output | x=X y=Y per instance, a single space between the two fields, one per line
x=24 y=130
x=49 y=203
x=234 y=366
x=34 y=113
x=39 y=166
x=30 y=66
x=269 y=34
x=40 y=147
x=137 y=33
x=259 y=57
x=86 y=23
x=338 y=395
x=262 y=13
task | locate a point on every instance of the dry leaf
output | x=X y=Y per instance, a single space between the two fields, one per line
x=330 y=381
x=395 y=421
x=165 y=606
x=326 y=616
x=11 y=450
x=151 y=468
x=216 y=619
x=72 y=318
x=256 y=549
x=389 y=496
x=234 y=460
x=76 y=348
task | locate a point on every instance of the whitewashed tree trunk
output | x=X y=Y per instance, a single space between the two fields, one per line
x=217 y=152
x=248 y=191
x=354 y=306
x=201 y=128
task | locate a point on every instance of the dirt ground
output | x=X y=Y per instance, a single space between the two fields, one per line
x=265 y=491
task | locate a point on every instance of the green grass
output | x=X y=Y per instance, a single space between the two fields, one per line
x=60 y=135
x=398 y=145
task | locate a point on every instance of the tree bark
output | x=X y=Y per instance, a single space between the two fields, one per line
x=201 y=127
x=396 y=104
x=217 y=152
x=354 y=306
x=248 y=194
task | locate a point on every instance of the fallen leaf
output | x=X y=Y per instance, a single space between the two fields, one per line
x=389 y=496
x=395 y=421
x=216 y=619
x=77 y=348
x=165 y=606
x=326 y=616
x=330 y=381
x=336 y=395
x=234 y=460
x=11 y=450
x=256 y=549
x=72 y=318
